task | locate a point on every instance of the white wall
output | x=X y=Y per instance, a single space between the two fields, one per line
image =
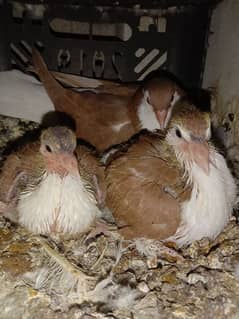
x=222 y=65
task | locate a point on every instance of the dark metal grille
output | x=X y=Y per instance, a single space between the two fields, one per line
x=110 y=39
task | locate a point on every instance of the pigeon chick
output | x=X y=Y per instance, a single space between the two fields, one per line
x=45 y=189
x=174 y=186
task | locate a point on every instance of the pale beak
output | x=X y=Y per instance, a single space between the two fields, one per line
x=69 y=163
x=161 y=116
x=62 y=163
x=198 y=152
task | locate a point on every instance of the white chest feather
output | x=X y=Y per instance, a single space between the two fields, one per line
x=147 y=117
x=58 y=205
x=210 y=205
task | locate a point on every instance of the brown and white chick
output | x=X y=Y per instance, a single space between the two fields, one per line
x=152 y=104
x=175 y=186
x=105 y=119
x=46 y=188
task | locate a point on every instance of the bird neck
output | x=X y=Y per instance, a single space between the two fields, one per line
x=146 y=116
x=210 y=205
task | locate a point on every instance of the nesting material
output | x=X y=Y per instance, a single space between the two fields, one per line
x=106 y=277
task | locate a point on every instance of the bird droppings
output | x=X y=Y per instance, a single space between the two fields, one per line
x=106 y=278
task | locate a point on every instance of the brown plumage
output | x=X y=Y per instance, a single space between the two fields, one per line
x=48 y=189
x=106 y=119
x=101 y=86
x=137 y=184
x=160 y=186
x=128 y=89
x=89 y=164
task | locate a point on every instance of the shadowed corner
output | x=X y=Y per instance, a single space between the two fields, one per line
x=160 y=73
x=201 y=98
x=55 y=118
x=13 y=145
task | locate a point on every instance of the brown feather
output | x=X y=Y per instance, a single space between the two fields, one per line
x=99 y=116
x=101 y=86
x=140 y=184
x=90 y=166
x=26 y=163
x=92 y=124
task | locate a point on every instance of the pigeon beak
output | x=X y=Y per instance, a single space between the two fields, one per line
x=61 y=163
x=161 y=116
x=68 y=162
x=199 y=154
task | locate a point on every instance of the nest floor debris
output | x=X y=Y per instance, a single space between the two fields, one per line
x=106 y=277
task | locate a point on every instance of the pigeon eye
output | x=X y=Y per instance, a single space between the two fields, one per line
x=48 y=148
x=178 y=133
x=231 y=117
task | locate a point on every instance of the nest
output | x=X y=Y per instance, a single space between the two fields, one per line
x=107 y=277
